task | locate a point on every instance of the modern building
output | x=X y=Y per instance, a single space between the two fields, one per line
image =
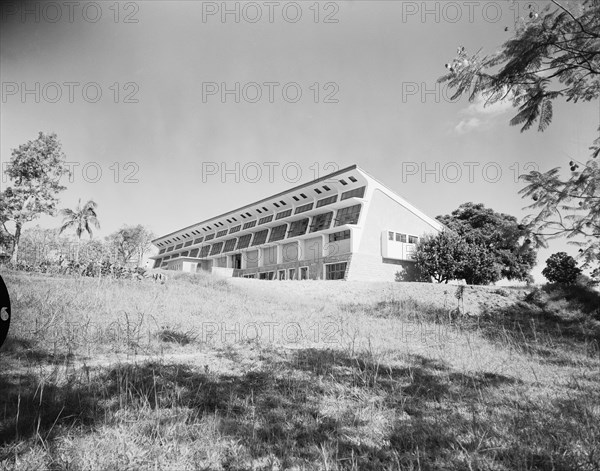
x=345 y=225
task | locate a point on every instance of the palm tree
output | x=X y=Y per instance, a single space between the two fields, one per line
x=81 y=219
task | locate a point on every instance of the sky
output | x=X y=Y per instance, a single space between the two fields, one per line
x=171 y=112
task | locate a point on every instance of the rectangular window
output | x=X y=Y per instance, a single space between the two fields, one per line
x=166 y=258
x=326 y=201
x=303 y=208
x=260 y=237
x=229 y=245
x=244 y=241
x=205 y=251
x=156 y=263
x=222 y=233
x=304 y=273
x=400 y=237
x=170 y=249
x=194 y=253
x=175 y=255
x=336 y=236
x=390 y=235
x=321 y=222
x=292 y=274
x=356 y=193
x=298 y=228
x=185 y=253
x=216 y=248
x=278 y=233
x=250 y=224
x=413 y=239
x=265 y=220
x=281 y=274
x=335 y=271
x=198 y=240
x=188 y=243
x=284 y=214
x=178 y=246
x=209 y=237
x=235 y=229
x=348 y=215
x=161 y=251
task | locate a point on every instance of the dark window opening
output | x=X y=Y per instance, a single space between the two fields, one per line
x=335 y=271
x=298 y=228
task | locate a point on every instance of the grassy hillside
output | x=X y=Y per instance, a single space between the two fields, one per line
x=207 y=373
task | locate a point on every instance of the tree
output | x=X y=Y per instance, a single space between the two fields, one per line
x=130 y=242
x=82 y=219
x=496 y=245
x=440 y=256
x=553 y=54
x=561 y=268
x=35 y=169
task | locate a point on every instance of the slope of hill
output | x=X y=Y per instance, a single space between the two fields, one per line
x=207 y=373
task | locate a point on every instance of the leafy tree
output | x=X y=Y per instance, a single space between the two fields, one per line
x=496 y=245
x=440 y=256
x=130 y=242
x=35 y=169
x=561 y=268
x=82 y=219
x=553 y=54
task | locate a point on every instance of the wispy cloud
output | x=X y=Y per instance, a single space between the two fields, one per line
x=479 y=115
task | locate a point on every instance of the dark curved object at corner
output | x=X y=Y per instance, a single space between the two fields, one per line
x=4 y=311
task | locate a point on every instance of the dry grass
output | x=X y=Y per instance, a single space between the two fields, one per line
x=206 y=373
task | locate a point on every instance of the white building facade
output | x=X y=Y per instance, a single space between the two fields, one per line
x=345 y=225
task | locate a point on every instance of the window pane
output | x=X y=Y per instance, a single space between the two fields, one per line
x=412 y=239
x=260 y=237
x=278 y=233
x=205 y=251
x=304 y=208
x=326 y=201
x=250 y=224
x=335 y=271
x=348 y=215
x=298 y=228
x=284 y=214
x=356 y=193
x=337 y=236
x=265 y=219
x=210 y=237
x=235 y=229
x=194 y=253
x=229 y=245
x=390 y=235
x=216 y=248
x=321 y=222
x=244 y=241
x=221 y=233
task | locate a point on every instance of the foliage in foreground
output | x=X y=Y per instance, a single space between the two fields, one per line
x=552 y=54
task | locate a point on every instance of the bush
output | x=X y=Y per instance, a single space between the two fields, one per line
x=561 y=268
x=535 y=297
